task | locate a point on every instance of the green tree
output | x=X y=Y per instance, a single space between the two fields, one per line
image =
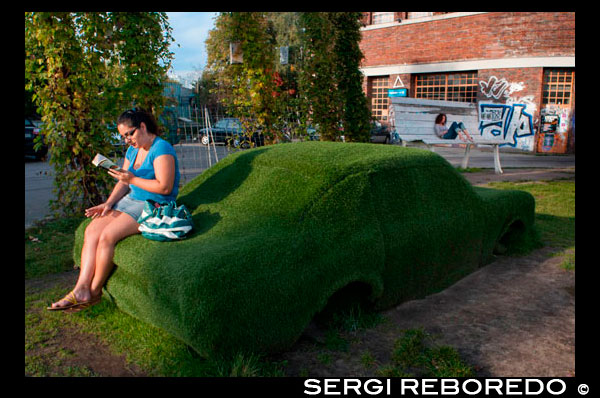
x=207 y=93
x=318 y=89
x=84 y=69
x=322 y=86
x=246 y=88
x=286 y=32
x=143 y=54
x=331 y=81
x=356 y=116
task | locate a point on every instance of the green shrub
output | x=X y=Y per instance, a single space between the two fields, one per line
x=280 y=229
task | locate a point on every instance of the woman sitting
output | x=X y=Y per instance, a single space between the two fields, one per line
x=455 y=129
x=150 y=171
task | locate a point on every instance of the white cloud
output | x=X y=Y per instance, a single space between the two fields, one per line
x=190 y=30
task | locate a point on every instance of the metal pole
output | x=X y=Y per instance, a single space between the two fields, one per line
x=197 y=157
x=198 y=125
x=208 y=145
x=211 y=136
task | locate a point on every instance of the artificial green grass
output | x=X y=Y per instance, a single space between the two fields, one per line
x=281 y=229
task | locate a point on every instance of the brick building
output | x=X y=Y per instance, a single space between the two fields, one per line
x=519 y=67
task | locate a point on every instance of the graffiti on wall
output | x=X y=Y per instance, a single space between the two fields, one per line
x=498 y=88
x=510 y=122
x=554 y=129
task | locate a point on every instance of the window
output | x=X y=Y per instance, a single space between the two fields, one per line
x=558 y=86
x=414 y=15
x=382 y=17
x=379 y=97
x=460 y=87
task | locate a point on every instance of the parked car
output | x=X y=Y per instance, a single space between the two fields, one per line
x=221 y=131
x=32 y=131
x=230 y=131
x=380 y=133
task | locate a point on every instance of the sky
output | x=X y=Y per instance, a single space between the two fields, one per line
x=190 y=30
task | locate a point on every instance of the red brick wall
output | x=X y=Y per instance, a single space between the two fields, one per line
x=531 y=79
x=473 y=37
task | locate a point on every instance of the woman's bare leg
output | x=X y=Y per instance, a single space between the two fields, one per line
x=122 y=226
x=88 y=253
x=468 y=135
x=88 y=258
x=93 y=234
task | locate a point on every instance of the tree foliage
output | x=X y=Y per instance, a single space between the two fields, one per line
x=321 y=85
x=317 y=81
x=84 y=69
x=356 y=115
x=247 y=87
x=331 y=81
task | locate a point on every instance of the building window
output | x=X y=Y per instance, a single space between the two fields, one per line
x=558 y=86
x=379 y=97
x=382 y=17
x=460 y=87
x=415 y=15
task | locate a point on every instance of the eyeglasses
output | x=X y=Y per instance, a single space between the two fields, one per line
x=130 y=133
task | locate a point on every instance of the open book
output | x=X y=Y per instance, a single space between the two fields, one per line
x=103 y=161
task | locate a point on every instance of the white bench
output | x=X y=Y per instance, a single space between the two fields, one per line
x=414 y=118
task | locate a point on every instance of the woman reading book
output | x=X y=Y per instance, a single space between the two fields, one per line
x=150 y=171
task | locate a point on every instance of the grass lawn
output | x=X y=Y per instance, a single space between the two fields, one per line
x=48 y=252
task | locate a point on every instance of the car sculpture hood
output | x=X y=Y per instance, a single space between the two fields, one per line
x=281 y=229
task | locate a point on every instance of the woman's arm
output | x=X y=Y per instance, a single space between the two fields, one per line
x=117 y=193
x=164 y=172
x=120 y=189
x=440 y=129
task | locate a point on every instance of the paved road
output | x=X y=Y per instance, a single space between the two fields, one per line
x=39 y=177
x=484 y=158
x=194 y=159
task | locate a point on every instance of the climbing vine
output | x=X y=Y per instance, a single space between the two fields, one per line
x=84 y=69
x=321 y=100
x=355 y=114
x=331 y=81
x=321 y=86
x=249 y=84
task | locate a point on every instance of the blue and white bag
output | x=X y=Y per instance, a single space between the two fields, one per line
x=165 y=221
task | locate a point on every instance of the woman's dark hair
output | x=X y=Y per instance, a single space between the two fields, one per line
x=439 y=118
x=134 y=117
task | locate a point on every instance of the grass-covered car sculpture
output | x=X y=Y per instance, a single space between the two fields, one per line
x=282 y=229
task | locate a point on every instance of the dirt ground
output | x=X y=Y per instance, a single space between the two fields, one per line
x=513 y=317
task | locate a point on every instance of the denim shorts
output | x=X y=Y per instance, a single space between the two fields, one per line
x=133 y=207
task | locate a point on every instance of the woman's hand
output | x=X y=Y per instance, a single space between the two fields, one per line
x=122 y=175
x=100 y=210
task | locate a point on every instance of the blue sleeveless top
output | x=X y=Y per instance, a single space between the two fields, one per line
x=146 y=170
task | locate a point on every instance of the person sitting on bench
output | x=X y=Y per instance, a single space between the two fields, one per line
x=450 y=133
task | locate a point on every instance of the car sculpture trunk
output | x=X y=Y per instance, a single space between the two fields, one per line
x=281 y=229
